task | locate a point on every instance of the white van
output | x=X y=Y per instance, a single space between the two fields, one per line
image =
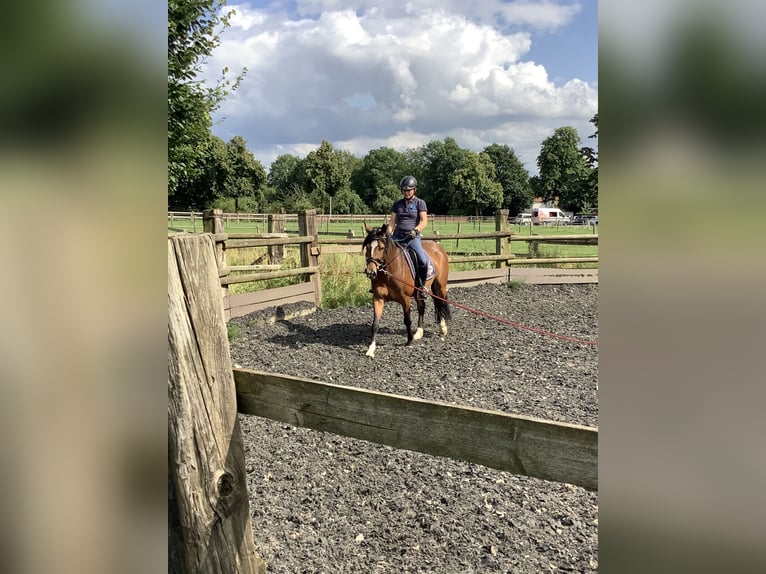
x=549 y=216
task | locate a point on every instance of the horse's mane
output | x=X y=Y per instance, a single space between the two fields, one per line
x=375 y=234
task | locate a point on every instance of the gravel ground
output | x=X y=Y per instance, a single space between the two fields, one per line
x=329 y=504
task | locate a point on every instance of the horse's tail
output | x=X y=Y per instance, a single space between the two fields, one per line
x=442 y=308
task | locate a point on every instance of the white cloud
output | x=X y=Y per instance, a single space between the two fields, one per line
x=394 y=74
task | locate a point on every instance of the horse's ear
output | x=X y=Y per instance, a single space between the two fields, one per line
x=384 y=228
x=367 y=228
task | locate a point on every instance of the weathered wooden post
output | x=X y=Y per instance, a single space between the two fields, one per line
x=502 y=244
x=276 y=225
x=208 y=504
x=307 y=225
x=212 y=222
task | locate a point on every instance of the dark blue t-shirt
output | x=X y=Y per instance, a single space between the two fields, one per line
x=407 y=211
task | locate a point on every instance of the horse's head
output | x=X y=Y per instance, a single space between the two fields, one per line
x=374 y=247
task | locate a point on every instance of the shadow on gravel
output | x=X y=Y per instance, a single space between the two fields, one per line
x=347 y=335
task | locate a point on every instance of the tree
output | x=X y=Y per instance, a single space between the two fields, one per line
x=562 y=167
x=284 y=172
x=434 y=163
x=473 y=186
x=245 y=176
x=208 y=184
x=325 y=173
x=376 y=179
x=511 y=174
x=191 y=39
x=588 y=195
x=346 y=201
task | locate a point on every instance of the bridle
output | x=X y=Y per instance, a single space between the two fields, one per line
x=380 y=262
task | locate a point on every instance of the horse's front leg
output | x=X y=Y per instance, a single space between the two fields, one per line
x=377 y=313
x=408 y=320
x=421 y=303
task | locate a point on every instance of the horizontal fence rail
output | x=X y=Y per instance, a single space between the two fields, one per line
x=521 y=445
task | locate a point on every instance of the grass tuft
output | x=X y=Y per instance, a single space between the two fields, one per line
x=233 y=331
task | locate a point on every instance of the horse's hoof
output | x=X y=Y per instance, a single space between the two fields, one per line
x=418 y=334
x=371 y=351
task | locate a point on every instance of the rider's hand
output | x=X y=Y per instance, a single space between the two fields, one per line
x=414 y=233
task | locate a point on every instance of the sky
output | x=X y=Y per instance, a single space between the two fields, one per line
x=387 y=73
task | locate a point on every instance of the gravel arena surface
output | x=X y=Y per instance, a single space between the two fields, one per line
x=322 y=503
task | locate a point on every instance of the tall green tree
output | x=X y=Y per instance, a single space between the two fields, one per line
x=209 y=182
x=376 y=179
x=325 y=174
x=473 y=185
x=511 y=174
x=245 y=175
x=562 y=167
x=284 y=172
x=192 y=26
x=434 y=163
x=588 y=193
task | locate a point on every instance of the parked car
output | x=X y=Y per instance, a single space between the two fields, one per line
x=585 y=220
x=580 y=220
x=523 y=219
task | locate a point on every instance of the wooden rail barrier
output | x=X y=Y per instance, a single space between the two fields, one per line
x=517 y=444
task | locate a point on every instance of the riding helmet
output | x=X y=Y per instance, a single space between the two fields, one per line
x=408 y=182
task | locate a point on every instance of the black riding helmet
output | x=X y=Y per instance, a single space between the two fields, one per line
x=408 y=182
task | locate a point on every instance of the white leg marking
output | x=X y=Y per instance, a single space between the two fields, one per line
x=418 y=334
x=371 y=350
x=443 y=326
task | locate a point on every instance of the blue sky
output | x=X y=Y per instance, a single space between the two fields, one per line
x=375 y=73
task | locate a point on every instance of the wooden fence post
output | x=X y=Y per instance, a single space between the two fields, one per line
x=276 y=225
x=502 y=244
x=307 y=225
x=212 y=222
x=208 y=504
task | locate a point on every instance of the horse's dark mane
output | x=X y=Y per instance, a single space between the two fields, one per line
x=376 y=233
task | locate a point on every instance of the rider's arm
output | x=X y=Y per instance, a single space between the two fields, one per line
x=423 y=221
x=392 y=221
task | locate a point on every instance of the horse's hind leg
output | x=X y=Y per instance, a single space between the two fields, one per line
x=421 y=303
x=441 y=305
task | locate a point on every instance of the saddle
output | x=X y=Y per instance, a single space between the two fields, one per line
x=411 y=257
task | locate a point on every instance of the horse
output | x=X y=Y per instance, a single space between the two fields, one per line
x=392 y=280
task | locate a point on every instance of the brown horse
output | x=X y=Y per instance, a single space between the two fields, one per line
x=392 y=280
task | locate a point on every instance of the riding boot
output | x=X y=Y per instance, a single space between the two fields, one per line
x=421 y=281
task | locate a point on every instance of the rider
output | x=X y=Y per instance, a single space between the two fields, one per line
x=409 y=217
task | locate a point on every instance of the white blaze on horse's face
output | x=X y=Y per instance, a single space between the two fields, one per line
x=374 y=258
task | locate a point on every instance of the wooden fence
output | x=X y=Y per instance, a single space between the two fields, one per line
x=208 y=503
x=311 y=244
